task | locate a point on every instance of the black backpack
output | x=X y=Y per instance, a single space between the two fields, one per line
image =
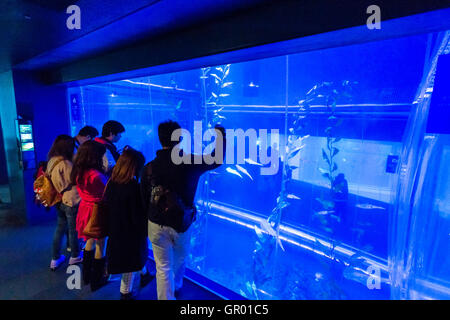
x=166 y=204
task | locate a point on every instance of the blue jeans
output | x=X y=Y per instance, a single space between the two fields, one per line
x=66 y=221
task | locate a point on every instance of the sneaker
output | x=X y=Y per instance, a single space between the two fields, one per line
x=54 y=264
x=75 y=260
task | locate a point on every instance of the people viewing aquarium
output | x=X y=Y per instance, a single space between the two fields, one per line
x=304 y=205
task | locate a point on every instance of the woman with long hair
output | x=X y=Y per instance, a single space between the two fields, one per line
x=59 y=169
x=88 y=174
x=127 y=250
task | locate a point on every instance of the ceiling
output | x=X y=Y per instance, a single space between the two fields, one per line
x=60 y=5
x=34 y=36
x=34 y=28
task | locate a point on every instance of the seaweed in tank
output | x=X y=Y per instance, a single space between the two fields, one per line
x=215 y=87
x=268 y=233
x=300 y=283
x=331 y=209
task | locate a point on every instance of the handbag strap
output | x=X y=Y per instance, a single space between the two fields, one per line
x=48 y=172
x=104 y=190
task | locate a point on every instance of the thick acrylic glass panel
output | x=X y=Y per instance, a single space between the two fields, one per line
x=313 y=226
x=429 y=263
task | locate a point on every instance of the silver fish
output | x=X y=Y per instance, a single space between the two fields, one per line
x=250 y=161
x=292 y=196
x=368 y=206
x=243 y=171
x=297 y=149
x=232 y=171
x=292 y=153
x=324 y=212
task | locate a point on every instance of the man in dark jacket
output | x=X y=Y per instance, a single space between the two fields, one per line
x=169 y=223
x=111 y=133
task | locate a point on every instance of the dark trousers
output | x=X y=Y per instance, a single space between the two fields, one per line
x=66 y=221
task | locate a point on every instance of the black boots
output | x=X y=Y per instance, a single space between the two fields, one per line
x=88 y=258
x=94 y=271
x=99 y=277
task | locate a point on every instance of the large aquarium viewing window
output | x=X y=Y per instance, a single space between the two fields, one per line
x=319 y=226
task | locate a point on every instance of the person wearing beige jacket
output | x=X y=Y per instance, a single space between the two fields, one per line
x=59 y=168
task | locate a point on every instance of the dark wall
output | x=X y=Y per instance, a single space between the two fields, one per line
x=46 y=106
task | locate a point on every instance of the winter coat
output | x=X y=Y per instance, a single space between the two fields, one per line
x=127 y=248
x=181 y=179
x=90 y=188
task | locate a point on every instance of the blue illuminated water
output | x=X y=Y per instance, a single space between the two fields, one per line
x=330 y=236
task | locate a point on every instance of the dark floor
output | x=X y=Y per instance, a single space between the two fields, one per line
x=25 y=273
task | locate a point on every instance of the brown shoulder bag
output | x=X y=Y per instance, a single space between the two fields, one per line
x=97 y=226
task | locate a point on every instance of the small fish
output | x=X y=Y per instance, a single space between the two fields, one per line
x=324 y=212
x=368 y=206
x=232 y=171
x=310 y=91
x=318 y=276
x=293 y=151
x=250 y=161
x=338 y=219
x=292 y=196
x=243 y=171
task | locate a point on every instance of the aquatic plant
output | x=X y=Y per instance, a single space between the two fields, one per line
x=268 y=235
x=328 y=93
x=214 y=85
x=295 y=286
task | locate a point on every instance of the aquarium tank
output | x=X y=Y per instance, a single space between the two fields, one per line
x=344 y=129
